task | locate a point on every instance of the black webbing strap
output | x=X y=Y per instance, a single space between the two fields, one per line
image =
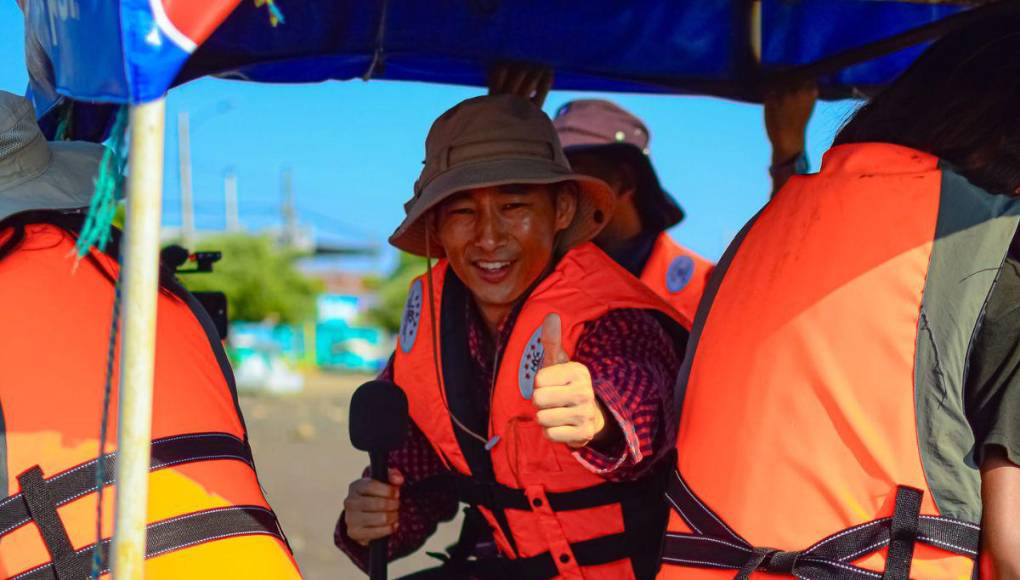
x=474 y=529
x=639 y=497
x=42 y=509
x=457 y=373
x=645 y=516
x=81 y=480
x=828 y=559
x=698 y=517
x=903 y=531
x=594 y=552
x=176 y=534
x=496 y=496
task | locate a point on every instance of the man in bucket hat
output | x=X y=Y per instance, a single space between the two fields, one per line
x=207 y=517
x=539 y=373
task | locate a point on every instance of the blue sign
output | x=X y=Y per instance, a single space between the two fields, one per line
x=679 y=274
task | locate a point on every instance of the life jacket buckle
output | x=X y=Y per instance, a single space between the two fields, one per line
x=768 y=560
x=779 y=562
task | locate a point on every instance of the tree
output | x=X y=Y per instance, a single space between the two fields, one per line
x=260 y=280
x=392 y=292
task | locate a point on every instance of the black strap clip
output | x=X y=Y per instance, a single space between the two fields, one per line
x=43 y=511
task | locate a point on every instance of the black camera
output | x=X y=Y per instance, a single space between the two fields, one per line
x=215 y=303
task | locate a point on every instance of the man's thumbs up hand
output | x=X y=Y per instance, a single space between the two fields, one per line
x=567 y=409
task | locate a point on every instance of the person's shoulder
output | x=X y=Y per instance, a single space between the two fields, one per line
x=625 y=326
x=1003 y=306
x=629 y=336
x=628 y=317
x=677 y=249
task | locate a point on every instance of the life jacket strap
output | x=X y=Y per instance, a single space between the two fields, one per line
x=174 y=534
x=41 y=509
x=496 y=496
x=904 y=530
x=713 y=544
x=636 y=496
x=80 y=480
x=594 y=552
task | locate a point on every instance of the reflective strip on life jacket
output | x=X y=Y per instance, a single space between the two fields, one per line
x=170 y=535
x=79 y=480
x=40 y=497
x=713 y=544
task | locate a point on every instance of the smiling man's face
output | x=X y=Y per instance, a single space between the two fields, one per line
x=500 y=239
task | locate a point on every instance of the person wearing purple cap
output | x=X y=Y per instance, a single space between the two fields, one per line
x=604 y=140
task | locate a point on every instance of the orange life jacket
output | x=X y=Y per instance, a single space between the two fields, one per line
x=549 y=513
x=677 y=274
x=207 y=517
x=823 y=432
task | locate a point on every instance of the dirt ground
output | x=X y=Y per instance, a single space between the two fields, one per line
x=305 y=462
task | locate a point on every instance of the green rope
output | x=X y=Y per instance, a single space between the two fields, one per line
x=101 y=476
x=109 y=188
x=275 y=14
x=63 y=127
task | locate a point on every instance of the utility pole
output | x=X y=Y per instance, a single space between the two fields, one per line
x=184 y=155
x=288 y=213
x=233 y=218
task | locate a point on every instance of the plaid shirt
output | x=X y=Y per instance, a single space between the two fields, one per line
x=633 y=363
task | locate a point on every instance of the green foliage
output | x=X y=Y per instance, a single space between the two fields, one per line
x=260 y=280
x=392 y=292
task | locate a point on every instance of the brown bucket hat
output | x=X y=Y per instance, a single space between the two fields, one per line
x=496 y=140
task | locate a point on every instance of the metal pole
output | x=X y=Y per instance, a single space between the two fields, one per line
x=184 y=157
x=138 y=341
x=290 y=226
x=233 y=219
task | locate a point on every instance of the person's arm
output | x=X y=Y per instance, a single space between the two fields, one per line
x=787 y=112
x=633 y=363
x=992 y=406
x=1000 y=498
x=528 y=81
x=409 y=517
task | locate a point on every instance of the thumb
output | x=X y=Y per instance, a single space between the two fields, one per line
x=552 y=341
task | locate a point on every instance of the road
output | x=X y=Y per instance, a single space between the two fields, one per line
x=305 y=462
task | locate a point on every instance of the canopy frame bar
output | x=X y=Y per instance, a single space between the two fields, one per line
x=888 y=45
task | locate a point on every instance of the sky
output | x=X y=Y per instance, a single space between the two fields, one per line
x=355 y=148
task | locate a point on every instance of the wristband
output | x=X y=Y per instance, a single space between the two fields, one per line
x=799 y=163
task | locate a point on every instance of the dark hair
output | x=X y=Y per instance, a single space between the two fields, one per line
x=70 y=222
x=627 y=163
x=960 y=101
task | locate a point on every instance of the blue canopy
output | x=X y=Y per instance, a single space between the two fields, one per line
x=131 y=51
